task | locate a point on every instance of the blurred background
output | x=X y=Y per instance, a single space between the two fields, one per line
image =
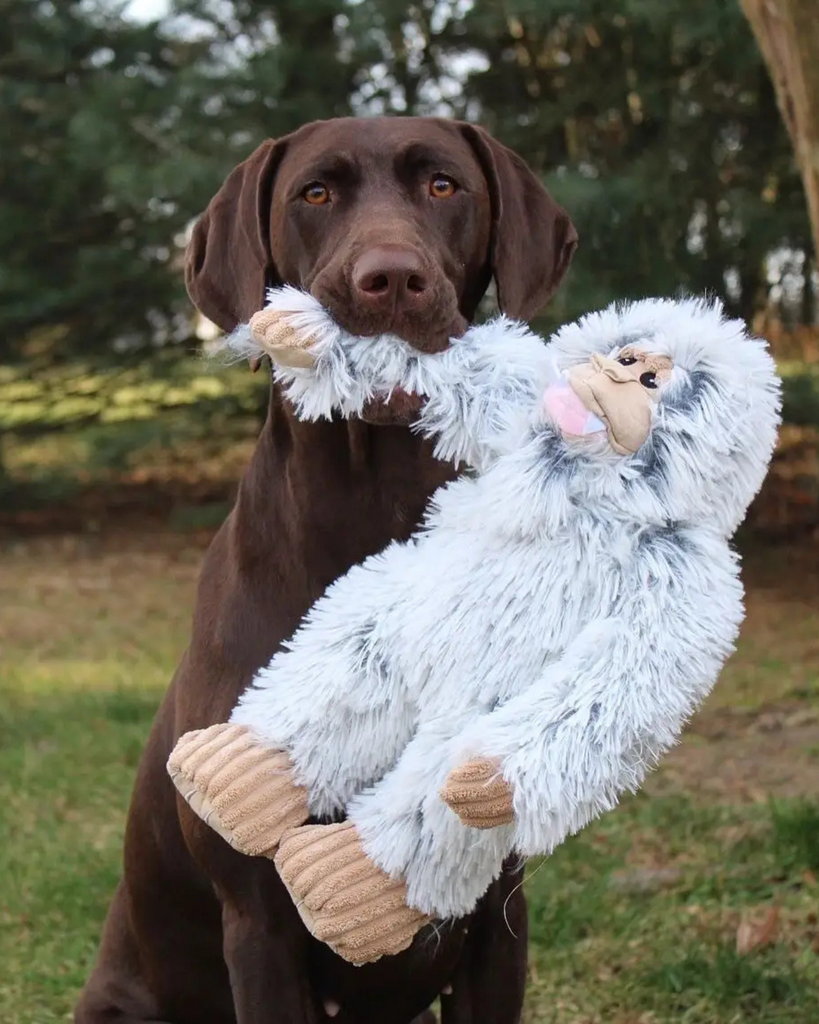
x=682 y=136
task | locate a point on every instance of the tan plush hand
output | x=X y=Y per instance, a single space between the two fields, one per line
x=479 y=794
x=283 y=343
x=343 y=898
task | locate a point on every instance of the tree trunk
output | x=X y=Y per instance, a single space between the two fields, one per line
x=787 y=32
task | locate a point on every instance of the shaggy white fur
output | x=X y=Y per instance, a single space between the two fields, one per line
x=564 y=609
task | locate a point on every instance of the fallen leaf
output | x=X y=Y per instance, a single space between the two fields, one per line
x=754 y=933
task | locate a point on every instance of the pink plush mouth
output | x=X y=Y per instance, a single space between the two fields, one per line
x=567 y=411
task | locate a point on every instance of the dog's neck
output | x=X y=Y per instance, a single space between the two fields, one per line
x=338 y=491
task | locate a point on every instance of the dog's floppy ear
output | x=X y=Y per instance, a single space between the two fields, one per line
x=533 y=239
x=228 y=264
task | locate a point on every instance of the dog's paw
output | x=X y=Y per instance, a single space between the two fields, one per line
x=478 y=793
x=286 y=346
x=240 y=788
x=344 y=899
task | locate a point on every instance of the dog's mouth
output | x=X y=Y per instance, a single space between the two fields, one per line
x=428 y=328
x=402 y=408
x=425 y=333
x=427 y=321
x=399 y=410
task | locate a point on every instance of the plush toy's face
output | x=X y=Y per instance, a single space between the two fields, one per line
x=615 y=395
x=664 y=409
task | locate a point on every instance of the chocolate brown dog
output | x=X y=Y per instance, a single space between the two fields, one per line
x=395 y=224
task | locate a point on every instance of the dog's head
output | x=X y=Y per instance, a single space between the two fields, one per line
x=394 y=224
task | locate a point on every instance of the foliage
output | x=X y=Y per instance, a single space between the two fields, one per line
x=82 y=393
x=115 y=135
x=801 y=397
x=657 y=126
x=653 y=121
x=86 y=225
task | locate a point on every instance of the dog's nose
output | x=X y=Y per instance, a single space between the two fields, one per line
x=389 y=276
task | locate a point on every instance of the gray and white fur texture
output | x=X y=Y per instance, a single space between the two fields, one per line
x=564 y=609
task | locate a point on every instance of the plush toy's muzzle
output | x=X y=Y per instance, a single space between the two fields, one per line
x=603 y=395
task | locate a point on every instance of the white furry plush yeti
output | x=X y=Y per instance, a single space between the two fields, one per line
x=496 y=682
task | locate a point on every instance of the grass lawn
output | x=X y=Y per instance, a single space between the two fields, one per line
x=694 y=903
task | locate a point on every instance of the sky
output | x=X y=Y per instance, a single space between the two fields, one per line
x=144 y=10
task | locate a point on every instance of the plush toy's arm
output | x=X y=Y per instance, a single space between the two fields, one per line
x=486 y=387
x=311 y=355
x=599 y=718
x=486 y=382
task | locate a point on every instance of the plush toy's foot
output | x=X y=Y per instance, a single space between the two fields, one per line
x=344 y=899
x=239 y=787
x=479 y=794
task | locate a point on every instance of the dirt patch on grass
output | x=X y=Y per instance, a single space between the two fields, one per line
x=746 y=757
x=757 y=737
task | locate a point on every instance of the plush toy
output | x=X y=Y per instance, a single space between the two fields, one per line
x=497 y=681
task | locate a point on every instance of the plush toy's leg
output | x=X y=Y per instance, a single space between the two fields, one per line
x=238 y=786
x=343 y=898
x=336 y=700
x=366 y=887
x=410 y=832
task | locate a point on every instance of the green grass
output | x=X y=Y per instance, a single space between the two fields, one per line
x=603 y=949
x=633 y=921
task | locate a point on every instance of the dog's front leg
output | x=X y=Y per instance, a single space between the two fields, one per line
x=489 y=983
x=264 y=944
x=265 y=949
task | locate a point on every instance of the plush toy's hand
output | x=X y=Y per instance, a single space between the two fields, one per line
x=240 y=788
x=285 y=345
x=344 y=899
x=479 y=794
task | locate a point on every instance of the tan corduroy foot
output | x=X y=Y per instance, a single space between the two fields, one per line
x=479 y=794
x=285 y=345
x=240 y=788
x=344 y=899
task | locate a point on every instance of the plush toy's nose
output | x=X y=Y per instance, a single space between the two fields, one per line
x=612 y=369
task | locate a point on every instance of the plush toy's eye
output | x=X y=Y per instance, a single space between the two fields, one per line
x=626 y=360
x=648 y=379
x=316 y=194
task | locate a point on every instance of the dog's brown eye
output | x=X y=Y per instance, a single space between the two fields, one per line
x=442 y=187
x=648 y=379
x=316 y=194
x=627 y=361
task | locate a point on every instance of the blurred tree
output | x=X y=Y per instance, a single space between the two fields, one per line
x=656 y=125
x=788 y=35
x=84 y=232
x=116 y=134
